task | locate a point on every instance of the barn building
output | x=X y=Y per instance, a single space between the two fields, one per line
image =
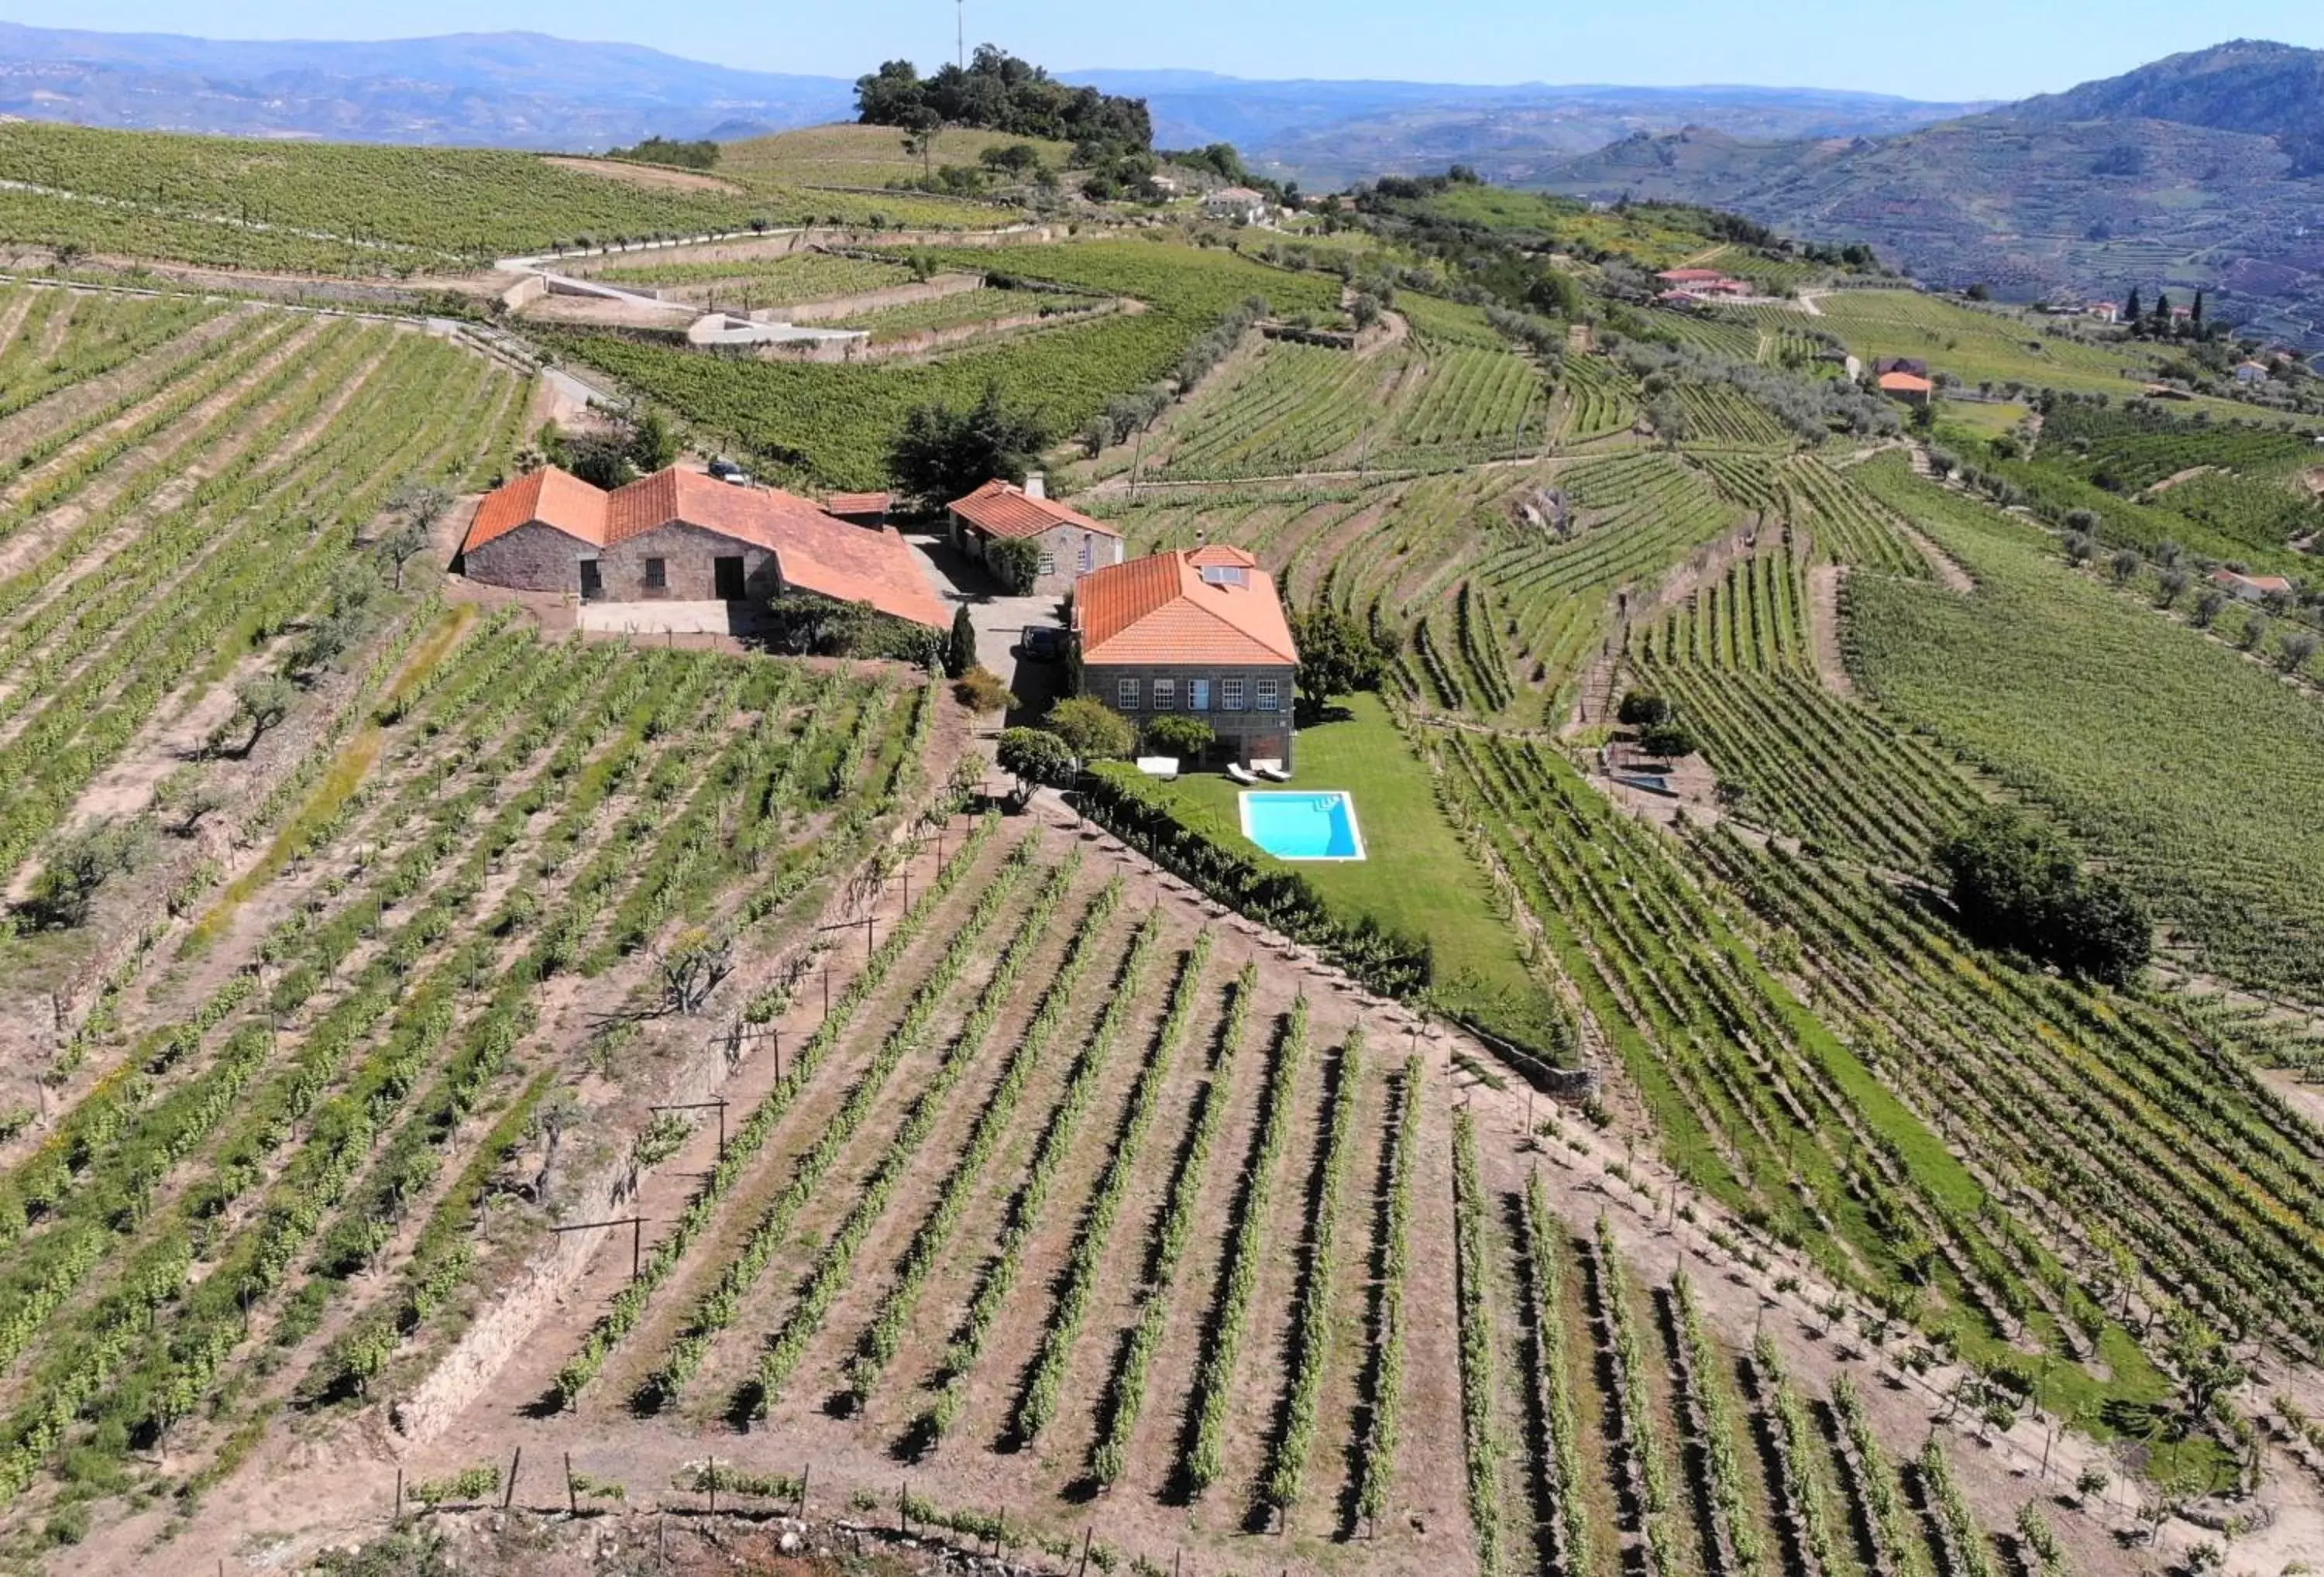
x=681 y=536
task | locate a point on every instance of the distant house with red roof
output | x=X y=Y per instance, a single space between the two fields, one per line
x=1072 y=544
x=681 y=536
x=2249 y=588
x=1908 y=388
x=1199 y=632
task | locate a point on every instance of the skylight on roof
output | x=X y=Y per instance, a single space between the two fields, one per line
x=1225 y=575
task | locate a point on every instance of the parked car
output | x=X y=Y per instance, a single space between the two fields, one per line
x=728 y=472
x=1042 y=643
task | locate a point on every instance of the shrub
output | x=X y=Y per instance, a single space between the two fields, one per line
x=1093 y=730
x=1669 y=738
x=1016 y=563
x=981 y=690
x=1180 y=735
x=1644 y=708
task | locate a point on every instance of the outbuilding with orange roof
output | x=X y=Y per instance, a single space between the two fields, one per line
x=1071 y=543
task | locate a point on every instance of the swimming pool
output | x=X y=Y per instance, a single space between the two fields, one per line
x=1303 y=825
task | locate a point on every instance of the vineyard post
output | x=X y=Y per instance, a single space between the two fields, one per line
x=1087 y=1529
x=826 y=988
x=395 y=1518
x=805 y=1469
x=508 y=1495
x=713 y=1484
x=572 y=1496
x=904 y=1507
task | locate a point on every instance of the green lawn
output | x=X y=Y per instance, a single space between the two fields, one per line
x=1416 y=879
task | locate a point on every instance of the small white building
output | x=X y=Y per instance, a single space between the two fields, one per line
x=2249 y=372
x=1236 y=202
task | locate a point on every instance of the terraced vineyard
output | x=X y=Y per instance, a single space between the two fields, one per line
x=1815 y=1123
x=2024 y=694
x=188 y=501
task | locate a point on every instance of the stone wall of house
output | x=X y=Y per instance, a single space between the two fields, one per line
x=1245 y=733
x=1062 y=547
x=540 y=559
x=689 y=555
x=532 y=557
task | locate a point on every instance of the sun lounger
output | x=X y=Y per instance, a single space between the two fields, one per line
x=1271 y=770
x=1163 y=767
x=1241 y=774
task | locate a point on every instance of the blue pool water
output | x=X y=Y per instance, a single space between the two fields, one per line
x=1303 y=825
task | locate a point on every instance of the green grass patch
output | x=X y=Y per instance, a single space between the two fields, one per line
x=1414 y=879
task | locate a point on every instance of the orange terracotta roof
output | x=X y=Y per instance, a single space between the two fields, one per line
x=1003 y=509
x=1905 y=384
x=2266 y=583
x=1217 y=553
x=555 y=498
x=812 y=550
x=851 y=564
x=1162 y=610
x=858 y=503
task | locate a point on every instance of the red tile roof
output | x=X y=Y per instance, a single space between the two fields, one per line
x=2263 y=583
x=851 y=564
x=812 y=550
x=858 y=503
x=1162 y=610
x=552 y=497
x=1905 y=384
x=1003 y=509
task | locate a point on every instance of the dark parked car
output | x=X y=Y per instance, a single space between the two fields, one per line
x=1043 y=643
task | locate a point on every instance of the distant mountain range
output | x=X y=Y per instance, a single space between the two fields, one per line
x=503 y=89
x=530 y=91
x=2205 y=169
x=1330 y=134
x=2202 y=171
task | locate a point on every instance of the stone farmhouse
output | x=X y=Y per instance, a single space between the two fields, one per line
x=1072 y=544
x=681 y=536
x=2250 y=588
x=1200 y=632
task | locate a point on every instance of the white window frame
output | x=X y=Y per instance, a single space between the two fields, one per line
x=1048 y=563
x=1268 y=698
x=1125 y=694
x=1198 y=695
x=1230 y=694
x=1166 y=694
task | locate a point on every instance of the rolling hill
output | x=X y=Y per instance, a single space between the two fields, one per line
x=2199 y=172
x=503 y=89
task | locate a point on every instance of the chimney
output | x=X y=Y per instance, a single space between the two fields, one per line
x=1036 y=486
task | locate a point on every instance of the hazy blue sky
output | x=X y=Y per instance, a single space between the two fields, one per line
x=1959 y=49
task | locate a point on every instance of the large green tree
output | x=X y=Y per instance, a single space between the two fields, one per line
x=2017 y=885
x=945 y=453
x=1337 y=657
